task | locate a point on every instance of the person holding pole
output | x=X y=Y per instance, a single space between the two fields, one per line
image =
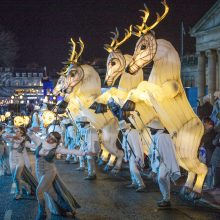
x=132 y=146
x=163 y=161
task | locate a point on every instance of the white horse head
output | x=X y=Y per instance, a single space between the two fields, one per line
x=77 y=77
x=61 y=86
x=146 y=47
x=116 y=62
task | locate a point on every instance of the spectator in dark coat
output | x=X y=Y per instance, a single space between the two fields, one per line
x=215 y=161
x=205 y=110
x=208 y=148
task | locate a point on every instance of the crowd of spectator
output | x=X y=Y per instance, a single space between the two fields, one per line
x=209 y=151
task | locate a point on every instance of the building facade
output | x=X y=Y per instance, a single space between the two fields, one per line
x=207 y=34
x=21 y=81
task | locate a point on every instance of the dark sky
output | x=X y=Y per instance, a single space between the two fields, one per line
x=43 y=28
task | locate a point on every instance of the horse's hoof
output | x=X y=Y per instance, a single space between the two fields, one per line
x=101 y=162
x=194 y=196
x=107 y=168
x=184 y=192
x=115 y=171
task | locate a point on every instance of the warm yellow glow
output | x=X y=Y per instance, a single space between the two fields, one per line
x=2 y=118
x=26 y=120
x=7 y=114
x=19 y=121
x=48 y=117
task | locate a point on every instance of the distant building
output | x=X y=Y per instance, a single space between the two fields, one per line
x=21 y=81
x=204 y=71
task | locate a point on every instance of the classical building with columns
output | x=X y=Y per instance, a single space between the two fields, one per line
x=207 y=34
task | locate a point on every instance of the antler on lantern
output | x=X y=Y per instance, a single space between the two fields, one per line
x=74 y=56
x=115 y=43
x=143 y=28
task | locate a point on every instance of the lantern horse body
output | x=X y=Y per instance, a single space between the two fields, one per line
x=82 y=85
x=165 y=92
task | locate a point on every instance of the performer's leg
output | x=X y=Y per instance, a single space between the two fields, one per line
x=91 y=166
x=18 y=181
x=44 y=185
x=164 y=183
x=135 y=173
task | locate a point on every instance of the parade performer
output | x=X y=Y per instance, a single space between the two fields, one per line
x=89 y=143
x=55 y=126
x=132 y=146
x=70 y=138
x=4 y=154
x=60 y=200
x=35 y=120
x=163 y=160
x=20 y=174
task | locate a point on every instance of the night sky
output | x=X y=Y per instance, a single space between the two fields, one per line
x=43 y=28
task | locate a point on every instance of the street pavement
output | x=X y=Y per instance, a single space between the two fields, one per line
x=107 y=198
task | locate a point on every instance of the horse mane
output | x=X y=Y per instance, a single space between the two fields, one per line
x=128 y=81
x=166 y=64
x=91 y=83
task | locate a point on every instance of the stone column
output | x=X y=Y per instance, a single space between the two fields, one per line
x=211 y=54
x=201 y=75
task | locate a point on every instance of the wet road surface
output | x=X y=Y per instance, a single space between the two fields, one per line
x=104 y=198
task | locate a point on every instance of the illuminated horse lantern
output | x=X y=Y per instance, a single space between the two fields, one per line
x=81 y=85
x=165 y=92
x=116 y=64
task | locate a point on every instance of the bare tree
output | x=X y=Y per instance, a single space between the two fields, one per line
x=8 y=48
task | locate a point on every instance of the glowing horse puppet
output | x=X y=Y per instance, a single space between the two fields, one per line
x=82 y=85
x=116 y=64
x=165 y=92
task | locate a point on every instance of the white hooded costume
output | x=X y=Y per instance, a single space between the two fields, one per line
x=163 y=159
x=133 y=151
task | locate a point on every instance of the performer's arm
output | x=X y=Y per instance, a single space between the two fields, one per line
x=37 y=140
x=62 y=150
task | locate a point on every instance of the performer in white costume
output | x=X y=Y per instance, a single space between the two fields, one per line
x=4 y=154
x=133 y=150
x=17 y=161
x=69 y=138
x=60 y=199
x=163 y=160
x=35 y=120
x=89 y=144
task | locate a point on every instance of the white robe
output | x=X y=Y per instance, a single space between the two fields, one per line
x=90 y=139
x=134 y=139
x=162 y=154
